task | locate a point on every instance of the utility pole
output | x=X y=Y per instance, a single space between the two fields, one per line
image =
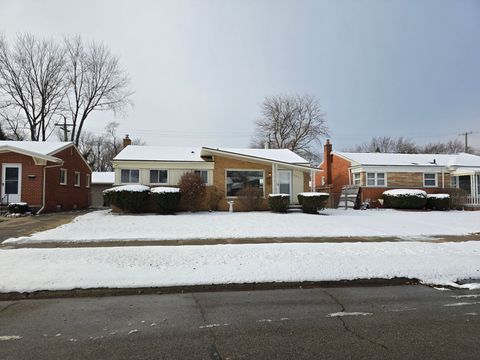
x=466 y=133
x=64 y=127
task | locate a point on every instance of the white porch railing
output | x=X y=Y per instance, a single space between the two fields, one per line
x=471 y=200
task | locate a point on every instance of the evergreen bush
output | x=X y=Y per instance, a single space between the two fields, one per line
x=18 y=208
x=438 y=202
x=165 y=199
x=312 y=202
x=128 y=198
x=278 y=203
x=405 y=199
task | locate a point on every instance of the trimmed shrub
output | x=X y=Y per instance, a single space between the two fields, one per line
x=438 y=202
x=250 y=198
x=193 y=190
x=18 y=208
x=405 y=199
x=128 y=198
x=312 y=202
x=165 y=199
x=278 y=203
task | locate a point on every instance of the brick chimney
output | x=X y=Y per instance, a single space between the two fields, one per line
x=126 y=141
x=327 y=159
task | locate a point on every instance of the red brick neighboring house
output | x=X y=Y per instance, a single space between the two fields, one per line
x=377 y=172
x=48 y=176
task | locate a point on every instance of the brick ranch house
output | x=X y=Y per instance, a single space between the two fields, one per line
x=224 y=169
x=377 y=172
x=48 y=176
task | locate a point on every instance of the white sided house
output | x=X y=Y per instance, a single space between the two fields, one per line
x=227 y=170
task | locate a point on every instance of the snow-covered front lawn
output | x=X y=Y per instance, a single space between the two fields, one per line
x=106 y=226
x=158 y=266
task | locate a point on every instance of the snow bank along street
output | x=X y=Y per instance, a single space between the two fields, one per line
x=159 y=266
x=104 y=226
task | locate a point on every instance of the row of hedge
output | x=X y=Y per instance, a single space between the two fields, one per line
x=415 y=199
x=140 y=198
x=311 y=202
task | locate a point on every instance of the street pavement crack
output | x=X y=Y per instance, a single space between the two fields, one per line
x=212 y=349
x=8 y=306
x=347 y=328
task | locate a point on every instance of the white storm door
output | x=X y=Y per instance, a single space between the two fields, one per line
x=285 y=182
x=11 y=183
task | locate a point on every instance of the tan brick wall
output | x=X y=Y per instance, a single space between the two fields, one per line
x=405 y=179
x=224 y=163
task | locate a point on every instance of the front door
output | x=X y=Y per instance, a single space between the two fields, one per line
x=285 y=182
x=11 y=183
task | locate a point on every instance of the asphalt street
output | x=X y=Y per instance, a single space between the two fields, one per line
x=390 y=322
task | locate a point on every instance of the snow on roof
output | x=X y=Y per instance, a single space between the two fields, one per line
x=38 y=147
x=461 y=159
x=169 y=153
x=103 y=177
x=281 y=155
x=159 y=153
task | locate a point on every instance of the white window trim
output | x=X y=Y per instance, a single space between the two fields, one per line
x=236 y=197
x=130 y=176
x=376 y=179
x=157 y=183
x=359 y=178
x=430 y=186
x=88 y=180
x=66 y=176
x=77 y=176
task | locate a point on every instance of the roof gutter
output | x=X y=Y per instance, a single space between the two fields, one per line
x=44 y=182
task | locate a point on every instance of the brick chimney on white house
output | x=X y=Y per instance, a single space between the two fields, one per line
x=126 y=141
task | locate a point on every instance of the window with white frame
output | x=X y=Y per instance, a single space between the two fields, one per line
x=88 y=180
x=453 y=181
x=130 y=176
x=77 y=178
x=356 y=179
x=376 y=179
x=429 y=180
x=237 y=180
x=63 y=176
x=158 y=176
x=203 y=175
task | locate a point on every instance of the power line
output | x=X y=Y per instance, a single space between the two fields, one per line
x=466 y=133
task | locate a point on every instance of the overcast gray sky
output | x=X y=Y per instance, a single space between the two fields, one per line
x=200 y=69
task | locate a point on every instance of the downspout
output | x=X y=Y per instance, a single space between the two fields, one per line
x=44 y=182
x=443 y=179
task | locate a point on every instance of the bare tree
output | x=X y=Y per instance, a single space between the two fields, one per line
x=449 y=147
x=43 y=80
x=99 y=150
x=386 y=144
x=291 y=122
x=97 y=82
x=32 y=84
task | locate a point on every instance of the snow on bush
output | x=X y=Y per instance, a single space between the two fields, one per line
x=165 y=199
x=312 y=201
x=128 y=198
x=278 y=202
x=131 y=188
x=405 y=199
x=438 y=202
x=165 y=189
x=405 y=192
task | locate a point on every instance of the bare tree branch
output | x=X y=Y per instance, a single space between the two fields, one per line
x=291 y=122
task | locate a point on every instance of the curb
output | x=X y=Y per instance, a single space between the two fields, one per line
x=103 y=292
